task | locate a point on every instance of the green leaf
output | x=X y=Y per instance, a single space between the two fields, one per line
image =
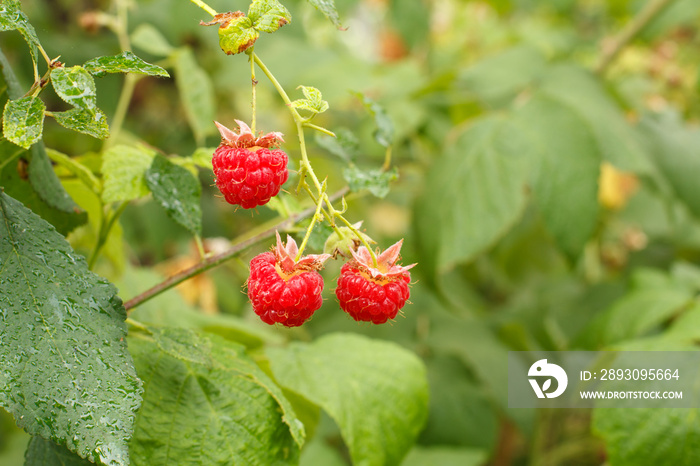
x=42 y=452
x=92 y=122
x=481 y=194
x=675 y=152
x=445 y=456
x=375 y=181
x=313 y=101
x=345 y=145
x=23 y=120
x=327 y=7
x=207 y=402
x=497 y=79
x=75 y=86
x=268 y=15
x=384 y=134
x=197 y=94
x=148 y=38
x=177 y=191
x=639 y=312
x=566 y=169
x=37 y=186
x=83 y=173
x=125 y=62
x=637 y=436
x=578 y=89
x=375 y=391
x=13 y=18
x=123 y=170
x=237 y=35
x=66 y=373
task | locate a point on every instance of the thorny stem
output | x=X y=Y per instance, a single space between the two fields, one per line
x=212 y=261
x=630 y=31
x=314 y=219
x=205 y=7
x=306 y=169
x=253 y=82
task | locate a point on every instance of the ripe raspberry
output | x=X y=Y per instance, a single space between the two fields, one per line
x=374 y=294
x=283 y=290
x=248 y=173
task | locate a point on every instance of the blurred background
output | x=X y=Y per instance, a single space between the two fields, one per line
x=550 y=198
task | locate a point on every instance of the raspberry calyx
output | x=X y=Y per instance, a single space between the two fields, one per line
x=374 y=293
x=249 y=170
x=285 y=290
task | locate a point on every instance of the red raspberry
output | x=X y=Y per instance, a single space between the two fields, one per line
x=249 y=173
x=283 y=290
x=374 y=293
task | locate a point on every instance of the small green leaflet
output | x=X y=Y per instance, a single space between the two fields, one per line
x=327 y=7
x=13 y=18
x=177 y=191
x=384 y=134
x=66 y=373
x=75 y=86
x=23 y=120
x=268 y=15
x=125 y=62
x=312 y=102
x=375 y=181
x=92 y=122
x=196 y=93
x=238 y=35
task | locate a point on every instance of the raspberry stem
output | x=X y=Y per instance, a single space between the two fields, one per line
x=305 y=169
x=253 y=82
x=205 y=7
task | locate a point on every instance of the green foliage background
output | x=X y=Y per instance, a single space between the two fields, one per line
x=503 y=136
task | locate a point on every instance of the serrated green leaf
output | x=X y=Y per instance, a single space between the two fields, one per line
x=42 y=452
x=327 y=7
x=123 y=171
x=23 y=120
x=90 y=121
x=66 y=373
x=75 y=86
x=376 y=181
x=313 y=101
x=196 y=92
x=659 y=436
x=481 y=194
x=376 y=391
x=384 y=134
x=202 y=157
x=148 y=38
x=345 y=145
x=83 y=173
x=177 y=191
x=13 y=18
x=578 y=89
x=207 y=402
x=237 y=35
x=565 y=171
x=674 y=149
x=125 y=62
x=268 y=15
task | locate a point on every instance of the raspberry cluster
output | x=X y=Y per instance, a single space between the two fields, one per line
x=287 y=290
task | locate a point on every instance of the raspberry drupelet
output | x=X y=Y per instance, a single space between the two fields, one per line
x=249 y=171
x=284 y=290
x=374 y=294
